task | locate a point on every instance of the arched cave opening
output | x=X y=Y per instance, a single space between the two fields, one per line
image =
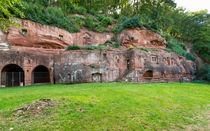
x=148 y=75
x=12 y=75
x=96 y=77
x=40 y=75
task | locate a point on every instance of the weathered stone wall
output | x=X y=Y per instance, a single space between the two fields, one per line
x=27 y=61
x=82 y=66
x=164 y=66
x=127 y=65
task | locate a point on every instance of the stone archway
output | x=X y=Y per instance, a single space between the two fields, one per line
x=148 y=75
x=96 y=77
x=12 y=75
x=40 y=75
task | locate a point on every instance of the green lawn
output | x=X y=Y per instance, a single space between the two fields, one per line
x=109 y=106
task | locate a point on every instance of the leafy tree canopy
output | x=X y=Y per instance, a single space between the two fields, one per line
x=7 y=10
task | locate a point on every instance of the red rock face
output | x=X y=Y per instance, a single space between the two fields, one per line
x=3 y=36
x=86 y=37
x=35 y=35
x=43 y=37
x=141 y=38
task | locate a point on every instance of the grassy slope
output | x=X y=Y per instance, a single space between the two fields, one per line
x=113 y=106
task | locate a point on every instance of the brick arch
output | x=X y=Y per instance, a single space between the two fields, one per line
x=12 y=75
x=148 y=75
x=40 y=75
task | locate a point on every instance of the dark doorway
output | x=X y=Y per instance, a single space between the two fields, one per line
x=40 y=75
x=148 y=75
x=96 y=77
x=12 y=75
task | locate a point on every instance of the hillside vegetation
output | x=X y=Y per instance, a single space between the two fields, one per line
x=163 y=16
x=107 y=106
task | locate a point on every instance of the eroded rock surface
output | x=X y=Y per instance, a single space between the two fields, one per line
x=32 y=34
x=35 y=35
x=141 y=38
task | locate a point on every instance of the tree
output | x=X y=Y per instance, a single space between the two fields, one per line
x=8 y=8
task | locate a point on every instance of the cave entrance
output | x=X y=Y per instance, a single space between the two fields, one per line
x=148 y=75
x=40 y=75
x=12 y=75
x=97 y=77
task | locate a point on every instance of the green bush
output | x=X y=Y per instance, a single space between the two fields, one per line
x=66 y=6
x=106 y=21
x=99 y=28
x=51 y=16
x=108 y=41
x=89 y=23
x=116 y=45
x=116 y=15
x=189 y=56
x=202 y=49
x=167 y=36
x=130 y=23
x=89 y=47
x=177 y=47
x=114 y=38
x=204 y=72
x=73 y=47
x=80 y=10
x=146 y=49
x=167 y=49
x=142 y=48
x=100 y=47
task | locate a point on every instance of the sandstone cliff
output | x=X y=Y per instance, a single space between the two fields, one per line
x=32 y=36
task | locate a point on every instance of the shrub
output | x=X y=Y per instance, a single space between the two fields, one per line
x=51 y=16
x=189 y=56
x=73 y=47
x=167 y=36
x=168 y=50
x=131 y=47
x=66 y=6
x=130 y=23
x=177 y=47
x=204 y=72
x=146 y=49
x=100 y=47
x=202 y=49
x=116 y=45
x=106 y=21
x=114 y=38
x=80 y=10
x=99 y=28
x=89 y=23
x=89 y=47
x=142 y=48
x=108 y=41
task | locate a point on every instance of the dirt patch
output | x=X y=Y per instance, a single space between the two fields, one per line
x=201 y=127
x=36 y=108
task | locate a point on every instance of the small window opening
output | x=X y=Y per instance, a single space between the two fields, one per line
x=154 y=59
x=128 y=64
x=24 y=31
x=60 y=37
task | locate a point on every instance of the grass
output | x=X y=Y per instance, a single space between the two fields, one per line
x=146 y=49
x=110 y=106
